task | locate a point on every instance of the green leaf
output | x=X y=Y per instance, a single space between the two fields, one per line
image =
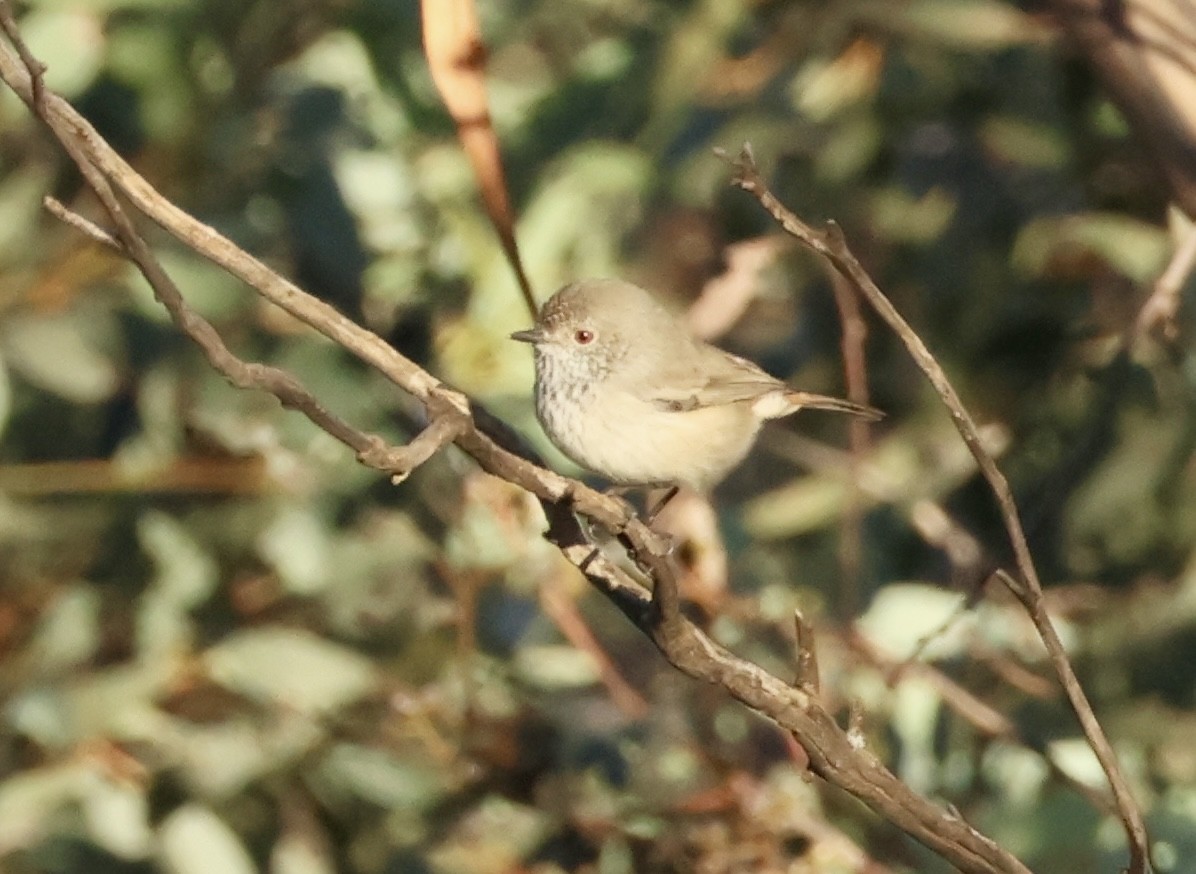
x=902 y=614
x=973 y=25
x=383 y=778
x=29 y=800
x=20 y=202
x=60 y=354
x=555 y=666
x=296 y=545
x=1021 y=142
x=1134 y=247
x=117 y=816
x=291 y=668
x=68 y=633
x=185 y=577
x=221 y=759
x=301 y=850
x=492 y=838
x=194 y=840
x=70 y=42
x=184 y=571
x=901 y=217
x=805 y=505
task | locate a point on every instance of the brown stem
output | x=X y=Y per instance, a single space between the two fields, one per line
x=807 y=677
x=855 y=369
x=831 y=244
x=1161 y=310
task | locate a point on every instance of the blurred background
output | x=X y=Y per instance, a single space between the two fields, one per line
x=227 y=647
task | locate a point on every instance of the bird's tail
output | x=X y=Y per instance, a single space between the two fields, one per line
x=810 y=401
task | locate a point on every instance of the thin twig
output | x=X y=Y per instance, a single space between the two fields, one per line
x=855 y=370
x=807 y=677
x=558 y=605
x=35 y=68
x=985 y=719
x=831 y=244
x=190 y=475
x=67 y=216
x=370 y=449
x=448 y=423
x=1162 y=307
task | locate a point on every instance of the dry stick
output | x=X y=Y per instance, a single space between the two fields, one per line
x=967 y=557
x=831 y=244
x=807 y=676
x=1162 y=307
x=833 y=755
x=855 y=369
x=370 y=449
x=559 y=605
x=456 y=55
x=987 y=720
x=839 y=757
x=195 y=475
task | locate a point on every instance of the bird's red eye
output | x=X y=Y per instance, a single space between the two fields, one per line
x=583 y=336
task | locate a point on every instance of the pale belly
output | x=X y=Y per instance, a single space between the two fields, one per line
x=633 y=442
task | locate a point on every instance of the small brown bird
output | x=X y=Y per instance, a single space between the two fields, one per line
x=624 y=390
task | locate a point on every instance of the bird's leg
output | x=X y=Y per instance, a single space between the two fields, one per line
x=659 y=544
x=651 y=511
x=620 y=491
x=589 y=559
x=654 y=510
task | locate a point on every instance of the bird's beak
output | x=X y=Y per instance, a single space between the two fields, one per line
x=531 y=335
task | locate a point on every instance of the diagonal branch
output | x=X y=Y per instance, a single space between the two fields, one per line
x=1161 y=310
x=831 y=244
x=370 y=449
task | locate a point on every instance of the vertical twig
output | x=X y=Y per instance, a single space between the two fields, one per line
x=855 y=370
x=831 y=244
x=1161 y=309
x=807 y=675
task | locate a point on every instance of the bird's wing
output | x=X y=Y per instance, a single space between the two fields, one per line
x=715 y=379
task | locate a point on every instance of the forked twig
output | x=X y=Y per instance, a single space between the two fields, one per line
x=806 y=676
x=1161 y=309
x=371 y=450
x=831 y=244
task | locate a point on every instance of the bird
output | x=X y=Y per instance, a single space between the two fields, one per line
x=624 y=390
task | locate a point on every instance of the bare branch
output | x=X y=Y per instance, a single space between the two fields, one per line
x=1161 y=309
x=448 y=423
x=855 y=335
x=289 y=391
x=985 y=719
x=807 y=657
x=64 y=214
x=1142 y=52
x=831 y=244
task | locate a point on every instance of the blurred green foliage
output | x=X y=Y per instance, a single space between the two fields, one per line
x=226 y=647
